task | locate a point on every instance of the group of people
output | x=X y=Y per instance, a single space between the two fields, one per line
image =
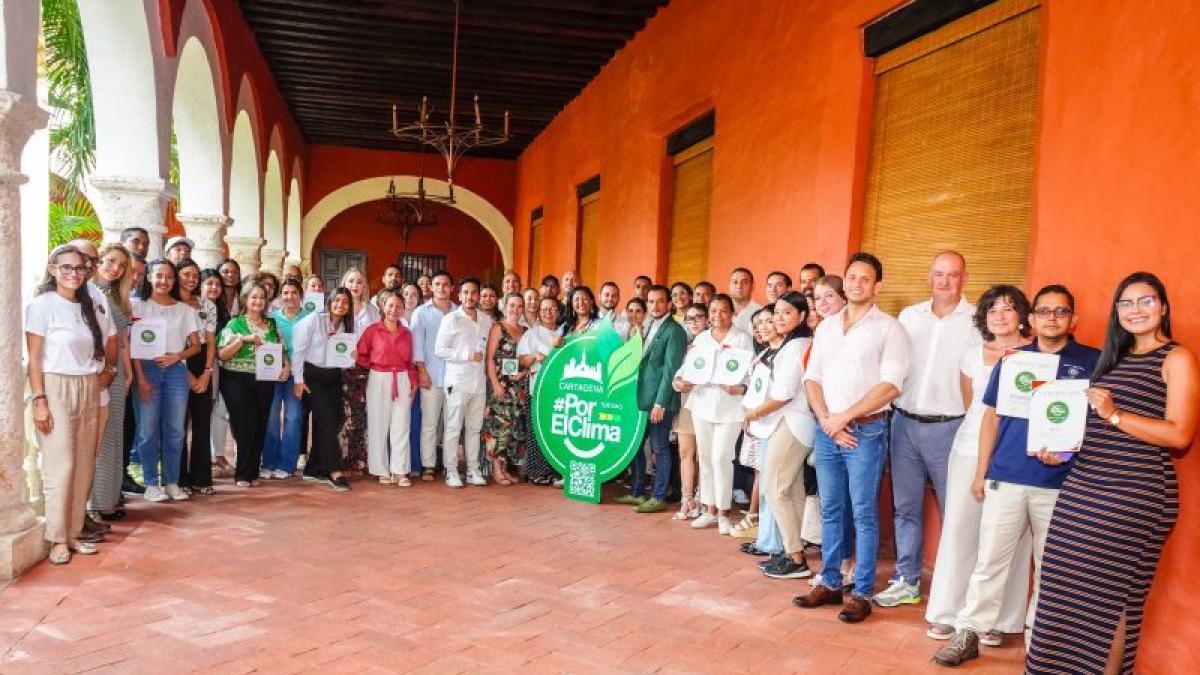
x=836 y=393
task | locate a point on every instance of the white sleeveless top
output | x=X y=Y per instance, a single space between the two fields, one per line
x=966 y=441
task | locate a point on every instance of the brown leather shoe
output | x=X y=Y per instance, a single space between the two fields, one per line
x=819 y=596
x=857 y=608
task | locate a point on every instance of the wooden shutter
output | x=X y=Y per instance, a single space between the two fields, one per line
x=691 y=204
x=589 y=239
x=952 y=152
x=537 y=244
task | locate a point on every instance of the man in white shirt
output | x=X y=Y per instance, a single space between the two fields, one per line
x=609 y=302
x=431 y=369
x=928 y=413
x=741 y=289
x=859 y=359
x=778 y=283
x=462 y=343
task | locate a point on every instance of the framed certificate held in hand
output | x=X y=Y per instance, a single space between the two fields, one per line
x=148 y=339
x=698 y=366
x=1057 y=416
x=268 y=361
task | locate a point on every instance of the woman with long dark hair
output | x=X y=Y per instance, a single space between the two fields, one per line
x=196 y=471
x=231 y=282
x=1121 y=498
x=790 y=428
x=162 y=382
x=212 y=287
x=322 y=383
x=581 y=312
x=248 y=398
x=67 y=336
x=113 y=278
x=695 y=322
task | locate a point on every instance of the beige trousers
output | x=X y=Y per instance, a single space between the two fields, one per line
x=783 y=481
x=69 y=452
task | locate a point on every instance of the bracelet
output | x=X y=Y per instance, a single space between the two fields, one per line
x=35 y=398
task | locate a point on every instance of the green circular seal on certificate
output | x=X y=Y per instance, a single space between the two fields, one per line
x=148 y=336
x=1024 y=381
x=1057 y=412
x=585 y=412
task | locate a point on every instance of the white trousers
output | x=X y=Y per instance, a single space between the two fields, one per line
x=432 y=401
x=464 y=416
x=1008 y=510
x=387 y=424
x=715 y=445
x=958 y=551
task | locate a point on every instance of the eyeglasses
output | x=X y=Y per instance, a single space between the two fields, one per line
x=74 y=269
x=1146 y=302
x=1057 y=312
x=694 y=317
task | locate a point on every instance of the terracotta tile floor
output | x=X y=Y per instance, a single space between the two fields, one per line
x=293 y=577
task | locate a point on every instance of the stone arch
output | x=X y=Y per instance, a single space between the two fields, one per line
x=131 y=138
x=197 y=127
x=245 y=204
x=370 y=189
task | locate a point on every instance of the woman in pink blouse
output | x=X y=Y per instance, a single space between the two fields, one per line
x=385 y=349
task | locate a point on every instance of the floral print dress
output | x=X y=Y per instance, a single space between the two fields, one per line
x=503 y=430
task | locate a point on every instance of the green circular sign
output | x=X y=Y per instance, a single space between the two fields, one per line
x=1057 y=412
x=148 y=336
x=585 y=409
x=699 y=362
x=1024 y=381
x=269 y=359
x=310 y=306
x=341 y=347
x=731 y=365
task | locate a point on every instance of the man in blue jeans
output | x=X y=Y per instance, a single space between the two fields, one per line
x=859 y=360
x=662 y=354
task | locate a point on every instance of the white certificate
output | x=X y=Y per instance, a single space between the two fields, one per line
x=148 y=339
x=339 y=351
x=268 y=361
x=313 y=302
x=1018 y=373
x=1057 y=416
x=698 y=366
x=756 y=388
x=732 y=366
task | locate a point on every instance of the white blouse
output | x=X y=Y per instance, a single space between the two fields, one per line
x=537 y=340
x=787 y=384
x=708 y=401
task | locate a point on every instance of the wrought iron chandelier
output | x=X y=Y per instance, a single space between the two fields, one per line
x=451 y=141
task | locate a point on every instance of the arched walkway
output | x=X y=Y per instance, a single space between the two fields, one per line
x=197 y=133
x=370 y=189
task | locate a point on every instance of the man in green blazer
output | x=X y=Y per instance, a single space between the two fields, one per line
x=662 y=354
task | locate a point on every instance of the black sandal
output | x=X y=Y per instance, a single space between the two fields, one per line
x=116 y=515
x=750 y=548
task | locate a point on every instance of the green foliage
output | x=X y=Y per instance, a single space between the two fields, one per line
x=73 y=128
x=73 y=220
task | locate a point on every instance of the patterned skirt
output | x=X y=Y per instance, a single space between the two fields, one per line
x=353 y=436
x=537 y=468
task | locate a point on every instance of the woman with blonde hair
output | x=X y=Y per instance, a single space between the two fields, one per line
x=113 y=279
x=68 y=337
x=353 y=437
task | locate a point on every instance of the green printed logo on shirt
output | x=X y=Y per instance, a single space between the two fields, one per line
x=1057 y=412
x=585 y=413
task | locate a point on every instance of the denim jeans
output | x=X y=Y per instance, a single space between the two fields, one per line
x=770 y=539
x=282 y=445
x=856 y=472
x=659 y=436
x=160 y=422
x=918 y=450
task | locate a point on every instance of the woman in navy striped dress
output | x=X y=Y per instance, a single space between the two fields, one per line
x=1121 y=498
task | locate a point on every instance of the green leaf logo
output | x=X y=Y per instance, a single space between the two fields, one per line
x=148 y=336
x=1057 y=412
x=341 y=347
x=731 y=365
x=269 y=359
x=622 y=366
x=1024 y=381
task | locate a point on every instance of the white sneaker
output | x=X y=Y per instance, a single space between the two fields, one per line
x=476 y=478
x=280 y=474
x=176 y=494
x=558 y=482
x=264 y=474
x=899 y=592
x=739 y=497
x=452 y=479
x=723 y=525
x=706 y=519
x=154 y=494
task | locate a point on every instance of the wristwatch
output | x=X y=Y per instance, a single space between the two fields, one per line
x=1115 y=418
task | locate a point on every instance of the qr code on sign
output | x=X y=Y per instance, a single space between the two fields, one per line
x=583 y=479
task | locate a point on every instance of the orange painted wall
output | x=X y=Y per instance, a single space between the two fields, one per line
x=469 y=249
x=1117 y=158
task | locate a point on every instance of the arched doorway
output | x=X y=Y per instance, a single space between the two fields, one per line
x=469 y=249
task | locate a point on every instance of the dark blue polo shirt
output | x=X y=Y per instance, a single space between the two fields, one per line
x=1010 y=462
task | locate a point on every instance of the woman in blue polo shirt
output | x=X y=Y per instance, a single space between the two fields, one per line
x=1018 y=490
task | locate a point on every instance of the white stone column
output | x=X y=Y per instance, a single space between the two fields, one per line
x=208 y=231
x=247 y=252
x=134 y=201
x=22 y=542
x=272 y=260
